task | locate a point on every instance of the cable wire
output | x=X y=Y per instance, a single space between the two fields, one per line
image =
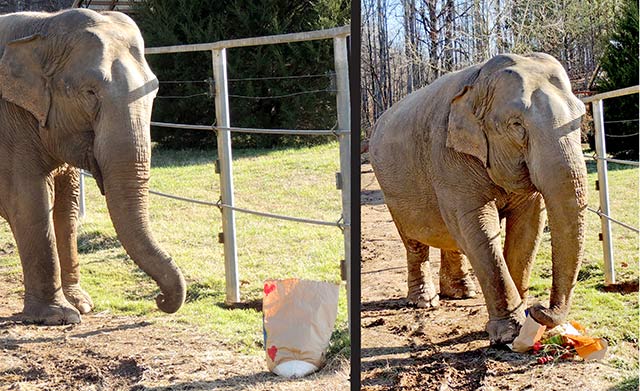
x=181 y=96
x=621 y=135
x=280 y=96
x=284 y=77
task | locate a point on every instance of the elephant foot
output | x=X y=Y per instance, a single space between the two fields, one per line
x=548 y=317
x=424 y=298
x=463 y=288
x=504 y=331
x=78 y=298
x=54 y=313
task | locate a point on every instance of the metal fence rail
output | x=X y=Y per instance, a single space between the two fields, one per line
x=603 y=180
x=222 y=127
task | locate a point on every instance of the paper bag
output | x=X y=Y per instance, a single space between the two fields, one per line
x=299 y=316
x=530 y=333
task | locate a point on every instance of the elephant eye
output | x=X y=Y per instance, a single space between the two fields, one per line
x=92 y=101
x=518 y=132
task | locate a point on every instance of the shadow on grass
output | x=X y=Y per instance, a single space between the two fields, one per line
x=93 y=241
x=593 y=168
x=628 y=384
x=164 y=157
x=254 y=304
x=623 y=287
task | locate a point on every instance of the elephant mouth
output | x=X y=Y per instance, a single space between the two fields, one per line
x=516 y=180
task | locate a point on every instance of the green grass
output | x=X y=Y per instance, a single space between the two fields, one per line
x=613 y=316
x=296 y=182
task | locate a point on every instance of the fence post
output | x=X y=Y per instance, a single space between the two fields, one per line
x=81 y=202
x=226 y=176
x=603 y=186
x=341 y=59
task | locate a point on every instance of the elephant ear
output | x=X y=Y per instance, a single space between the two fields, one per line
x=22 y=78
x=464 y=133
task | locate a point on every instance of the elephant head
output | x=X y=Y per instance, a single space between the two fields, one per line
x=519 y=117
x=84 y=78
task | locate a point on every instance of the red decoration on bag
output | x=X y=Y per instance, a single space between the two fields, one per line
x=272 y=351
x=268 y=288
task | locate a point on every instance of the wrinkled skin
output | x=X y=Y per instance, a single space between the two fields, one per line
x=76 y=92
x=499 y=141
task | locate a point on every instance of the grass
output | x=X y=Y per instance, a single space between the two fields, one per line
x=296 y=182
x=613 y=316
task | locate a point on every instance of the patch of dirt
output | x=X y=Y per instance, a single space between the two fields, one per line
x=406 y=348
x=110 y=353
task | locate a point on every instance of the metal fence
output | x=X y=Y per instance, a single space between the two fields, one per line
x=224 y=129
x=603 y=182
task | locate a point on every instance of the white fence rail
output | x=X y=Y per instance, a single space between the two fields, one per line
x=603 y=180
x=224 y=129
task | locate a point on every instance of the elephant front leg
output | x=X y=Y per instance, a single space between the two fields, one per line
x=455 y=279
x=478 y=233
x=32 y=225
x=525 y=222
x=65 y=216
x=421 y=291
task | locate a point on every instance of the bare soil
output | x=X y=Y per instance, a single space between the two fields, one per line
x=406 y=348
x=109 y=352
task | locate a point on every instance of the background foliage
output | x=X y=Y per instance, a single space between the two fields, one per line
x=175 y=22
x=620 y=69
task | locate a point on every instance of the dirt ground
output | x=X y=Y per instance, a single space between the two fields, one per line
x=447 y=348
x=107 y=352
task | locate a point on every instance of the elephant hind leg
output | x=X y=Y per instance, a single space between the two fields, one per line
x=421 y=293
x=65 y=216
x=455 y=279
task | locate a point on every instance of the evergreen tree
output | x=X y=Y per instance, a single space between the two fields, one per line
x=174 y=22
x=620 y=69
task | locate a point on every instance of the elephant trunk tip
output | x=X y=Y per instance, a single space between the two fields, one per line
x=171 y=302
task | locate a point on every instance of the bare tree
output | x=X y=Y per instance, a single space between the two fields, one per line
x=438 y=36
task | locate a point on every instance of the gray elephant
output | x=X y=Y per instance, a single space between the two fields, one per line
x=498 y=140
x=76 y=92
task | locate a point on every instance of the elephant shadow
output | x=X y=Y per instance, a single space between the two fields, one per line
x=371 y=197
x=93 y=241
x=435 y=363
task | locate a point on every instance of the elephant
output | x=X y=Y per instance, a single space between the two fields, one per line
x=76 y=93
x=497 y=141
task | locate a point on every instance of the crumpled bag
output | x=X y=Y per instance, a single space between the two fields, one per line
x=298 y=316
x=530 y=333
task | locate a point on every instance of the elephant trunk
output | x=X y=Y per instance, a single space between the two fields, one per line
x=127 y=193
x=123 y=154
x=562 y=180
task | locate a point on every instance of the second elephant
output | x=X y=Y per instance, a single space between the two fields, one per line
x=498 y=140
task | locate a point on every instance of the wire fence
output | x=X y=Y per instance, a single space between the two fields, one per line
x=602 y=185
x=329 y=75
